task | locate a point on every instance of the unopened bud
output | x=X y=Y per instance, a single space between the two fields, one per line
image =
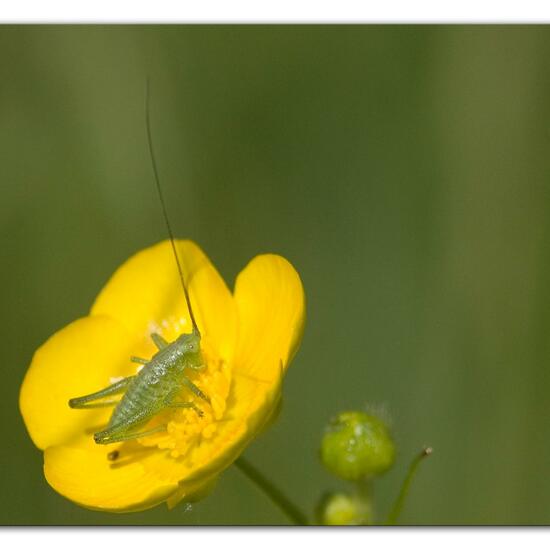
x=343 y=509
x=357 y=446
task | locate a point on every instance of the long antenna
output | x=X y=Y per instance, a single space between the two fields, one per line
x=165 y=213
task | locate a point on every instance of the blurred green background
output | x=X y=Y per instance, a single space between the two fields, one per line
x=404 y=171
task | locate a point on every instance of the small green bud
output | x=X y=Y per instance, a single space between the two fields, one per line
x=357 y=446
x=343 y=509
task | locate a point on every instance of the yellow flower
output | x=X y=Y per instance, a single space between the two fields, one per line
x=248 y=340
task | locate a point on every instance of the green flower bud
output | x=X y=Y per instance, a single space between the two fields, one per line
x=343 y=509
x=357 y=446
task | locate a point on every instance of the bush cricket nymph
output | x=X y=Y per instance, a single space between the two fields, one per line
x=157 y=386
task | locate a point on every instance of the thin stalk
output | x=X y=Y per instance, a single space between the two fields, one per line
x=398 y=506
x=291 y=511
x=365 y=499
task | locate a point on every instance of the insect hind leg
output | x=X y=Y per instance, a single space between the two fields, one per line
x=84 y=401
x=116 y=435
x=99 y=405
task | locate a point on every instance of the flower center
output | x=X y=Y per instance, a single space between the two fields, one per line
x=187 y=427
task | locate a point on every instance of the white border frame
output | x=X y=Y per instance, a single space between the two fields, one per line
x=275 y=11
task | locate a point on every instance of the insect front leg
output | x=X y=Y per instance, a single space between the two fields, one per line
x=159 y=341
x=186 y=405
x=195 y=389
x=139 y=360
x=84 y=401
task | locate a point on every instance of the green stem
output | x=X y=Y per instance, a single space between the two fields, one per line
x=291 y=511
x=398 y=506
x=363 y=490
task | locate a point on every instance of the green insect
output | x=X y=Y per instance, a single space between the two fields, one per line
x=158 y=384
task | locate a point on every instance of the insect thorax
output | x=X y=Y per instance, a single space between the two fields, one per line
x=181 y=354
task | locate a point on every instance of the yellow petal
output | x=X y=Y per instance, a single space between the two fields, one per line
x=271 y=314
x=250 y=407
x=79 y=359
x=140 y=478
x=192 y=492
x=143 y=477
x=145 y=294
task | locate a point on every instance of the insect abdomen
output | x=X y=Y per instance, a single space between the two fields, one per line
x=148 y=393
